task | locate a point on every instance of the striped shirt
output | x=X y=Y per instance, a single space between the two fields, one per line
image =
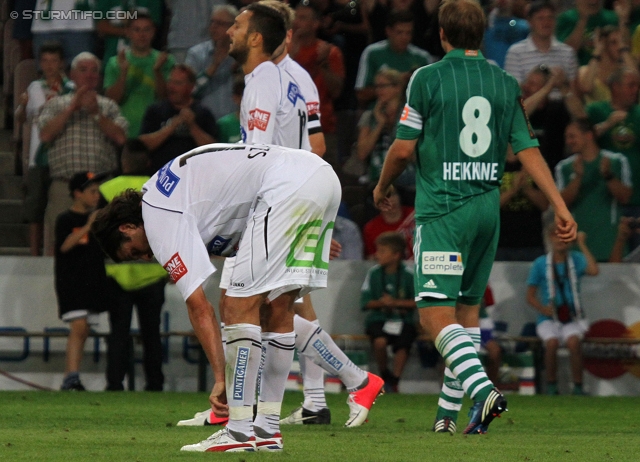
x=523 y=57
x=464 y=112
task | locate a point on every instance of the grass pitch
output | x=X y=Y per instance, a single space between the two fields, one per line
x=69 y=427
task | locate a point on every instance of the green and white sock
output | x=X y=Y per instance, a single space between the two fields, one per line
x=457 y=348
x=450 y=401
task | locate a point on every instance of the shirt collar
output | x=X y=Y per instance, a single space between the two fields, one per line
x=460 y=53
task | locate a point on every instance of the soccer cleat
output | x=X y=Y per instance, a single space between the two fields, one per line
x=267 y=443
x=360 y=401
x=222 y=441
x=482 y=413
x=75 y=385
x=305 y=417
x=445 y=425
x=203 y=418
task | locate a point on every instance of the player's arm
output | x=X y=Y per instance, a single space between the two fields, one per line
x=77 y=235
x=205 y=325
x=318 y=145
x=397 y=159
x=535 y=164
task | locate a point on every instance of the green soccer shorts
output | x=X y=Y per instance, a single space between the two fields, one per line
x=454 y=253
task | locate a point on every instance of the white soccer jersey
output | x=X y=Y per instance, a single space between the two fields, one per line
x=273 y=109
x=200 y=202
x=309 y=91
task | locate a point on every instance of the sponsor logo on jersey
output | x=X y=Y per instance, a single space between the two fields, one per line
x=484 y=171
x=240 y=373
x=448 y=263
x=237 y=284
x=313 y=108
x=217 y=245
x=176 y=268
x=167 y=180
x=430 y=284
x=293 y=93
x=325 y=354
x=471 y=53
x=258 y=119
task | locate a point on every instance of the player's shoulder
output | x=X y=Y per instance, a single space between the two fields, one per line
x=266 y=69
x=377 y=47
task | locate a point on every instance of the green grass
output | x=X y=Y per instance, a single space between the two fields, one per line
x=69 y=427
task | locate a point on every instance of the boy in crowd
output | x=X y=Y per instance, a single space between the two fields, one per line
x=387 y=294
x=80 y=278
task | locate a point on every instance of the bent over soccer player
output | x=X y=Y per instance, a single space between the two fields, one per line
x=461 y=113
x=283 y=202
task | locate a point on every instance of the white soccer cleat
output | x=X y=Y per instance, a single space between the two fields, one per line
x=203 y=418
x=222 y=441
x=360 y=401
x=267 y=443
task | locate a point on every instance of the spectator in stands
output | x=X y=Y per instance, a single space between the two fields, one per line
x=80 y=278
x=396 y=52
x=594 y=183
x=84 y=131
x=397 y=218
x=53 y=83
x=139 y=284
x=617 y=128
x=114 y=32
x=388 y=297
x=610 y=53
x=229 y=125
x=576 y=27
x=188 y=26
x=136 y=77
x=75 y=33
x=324 y=63
x=505 y=26
x=554 y=291
x=627 y=227
x=550 y=116
x=541 y=46
x=213 y=66
x=377 y=127
x=177 y=124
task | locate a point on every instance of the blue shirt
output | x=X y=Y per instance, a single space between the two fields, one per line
x=538 y=278
x=505 y=32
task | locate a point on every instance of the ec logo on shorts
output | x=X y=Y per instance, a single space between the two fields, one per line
x=167 y=180
x=448 y=263
x=293 y=93
x=308 y=246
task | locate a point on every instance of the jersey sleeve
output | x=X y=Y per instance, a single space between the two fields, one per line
x=580 y=260
x=411 y=121
x=522 y=135
x=177 y=246
x=536 y=273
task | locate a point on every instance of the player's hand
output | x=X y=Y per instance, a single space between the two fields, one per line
x=566 y=226
x=188 y=116
x=581 y=238
x=605 y=167
x=89 y=102
x=616 y=117
x=547 y=311
x=578 y=166
x=76 y=101
x=123 y=63
x=218 y=400
x=160 y=60
x=381 y=198
x=335 y=250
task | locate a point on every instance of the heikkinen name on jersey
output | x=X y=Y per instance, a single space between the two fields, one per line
x=486 y=171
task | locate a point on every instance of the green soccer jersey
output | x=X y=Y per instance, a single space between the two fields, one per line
x=464 y=112
x=399 y=285
x=595 y=210
x=229 y=128
x=623 y=137
x=140 y=89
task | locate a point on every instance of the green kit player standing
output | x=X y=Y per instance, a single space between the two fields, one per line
x=462 y=113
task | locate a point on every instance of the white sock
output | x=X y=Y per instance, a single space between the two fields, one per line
x=244 y=348
x=223 y=336
x=317 y=345
x=278 y=356
x=474 y=333
x=313 y=382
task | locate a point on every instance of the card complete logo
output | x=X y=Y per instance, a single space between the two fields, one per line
x=447 y=263
x=176 y=268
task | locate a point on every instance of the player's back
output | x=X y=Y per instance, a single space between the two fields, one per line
x=273 y=109
x=465 y=109
x=309 y=92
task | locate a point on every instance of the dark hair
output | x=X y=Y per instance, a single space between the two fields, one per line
x=463 y=23
x=539 y=6
x=191 y=74
x=141 y=14
x=399 y=17
x=395 y=241
x=584 y=125
x=125 y=208
x=52 y=47
x=270 y=24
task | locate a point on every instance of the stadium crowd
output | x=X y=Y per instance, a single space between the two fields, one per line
x=165 y=80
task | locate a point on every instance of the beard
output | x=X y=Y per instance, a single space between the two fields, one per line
x=240 y=53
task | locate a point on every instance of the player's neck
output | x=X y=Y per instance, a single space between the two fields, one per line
x=79 y=207
x=253 y=61
x=542 y=43
x=590 y=153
